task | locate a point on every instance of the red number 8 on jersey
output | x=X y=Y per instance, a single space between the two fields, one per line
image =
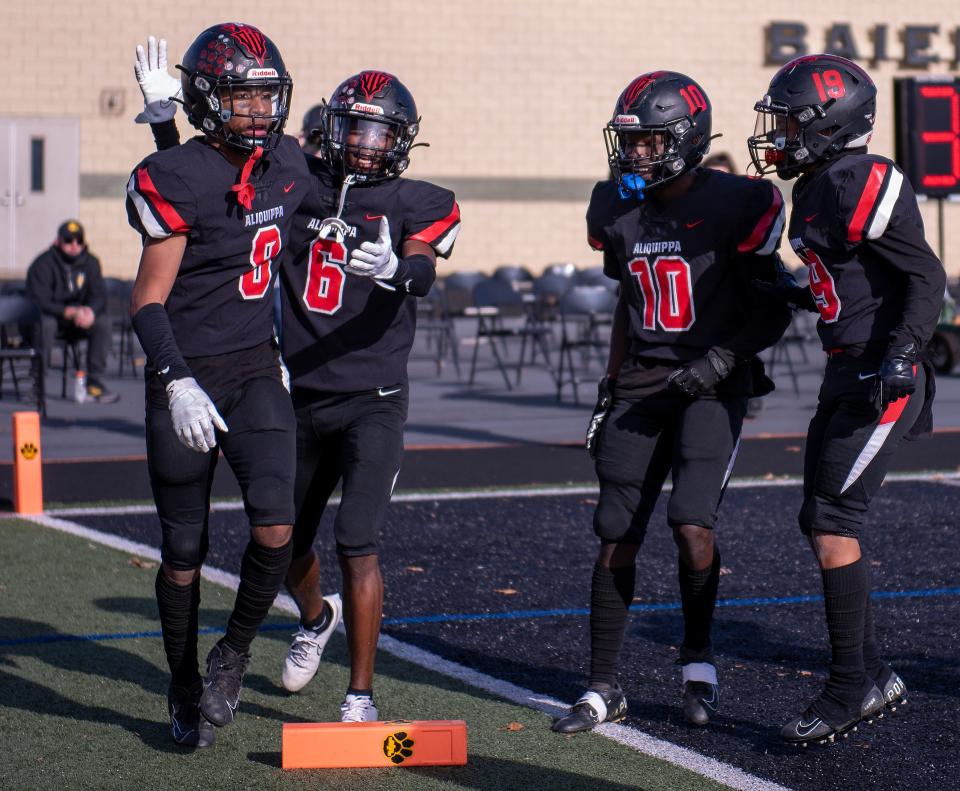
x=266 y=246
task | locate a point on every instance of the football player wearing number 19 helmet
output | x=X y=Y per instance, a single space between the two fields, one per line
x=877 y=286
x=685 y=244
x=214 y=215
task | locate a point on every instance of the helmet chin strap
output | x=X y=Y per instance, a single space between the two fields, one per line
x=336 y=227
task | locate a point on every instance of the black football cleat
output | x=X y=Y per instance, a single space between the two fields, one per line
x=811 y=728
x=221 y=690
x=188 y=726
x=591 y=709
x=894 y=691
x=700 y=701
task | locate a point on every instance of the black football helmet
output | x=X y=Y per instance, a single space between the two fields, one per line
x=224 y=60
x=816 y=106
x=369 y=126
x=671 y=108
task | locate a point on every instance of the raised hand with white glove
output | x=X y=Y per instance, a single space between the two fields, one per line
x=194 y=415
x=375 y=259
x=159 y=87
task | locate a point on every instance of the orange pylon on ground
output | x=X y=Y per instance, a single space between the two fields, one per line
x=341 y=745
x=27 y=464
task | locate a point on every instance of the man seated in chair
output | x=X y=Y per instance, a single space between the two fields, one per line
x=66 y=282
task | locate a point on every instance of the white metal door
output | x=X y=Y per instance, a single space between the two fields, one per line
x=39 y=186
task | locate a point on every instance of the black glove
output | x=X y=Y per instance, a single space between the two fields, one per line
x=700 y=375
x=897 y=378
x=600 y=412
x=786 y=289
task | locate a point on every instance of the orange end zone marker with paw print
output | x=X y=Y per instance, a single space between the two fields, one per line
x=27 y=464
x=343 y=745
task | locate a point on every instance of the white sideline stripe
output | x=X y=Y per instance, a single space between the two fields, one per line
x=623 y=734
x=491 y=494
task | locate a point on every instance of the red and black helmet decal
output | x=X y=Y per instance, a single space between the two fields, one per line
x=249 y=39
x=633 y=91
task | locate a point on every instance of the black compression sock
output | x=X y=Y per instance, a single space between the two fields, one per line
x=179 y=605
x=698 y=593
x=610 y=597
x=360 y=693
x=261 y=575
x=876 y=668
x=845 y=596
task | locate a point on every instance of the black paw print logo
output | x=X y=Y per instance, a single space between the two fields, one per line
x=397 y=747
x=29 y=451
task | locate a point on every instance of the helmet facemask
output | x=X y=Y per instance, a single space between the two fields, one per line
x=644 y=157
x=369 y=148
x=245 y=114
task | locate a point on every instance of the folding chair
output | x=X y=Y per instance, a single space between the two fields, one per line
x=584 y=312
x=498 y=307
x=118 y=308
x=435 y=324
x=21 y=338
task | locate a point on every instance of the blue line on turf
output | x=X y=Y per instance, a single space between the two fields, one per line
x=767 y=601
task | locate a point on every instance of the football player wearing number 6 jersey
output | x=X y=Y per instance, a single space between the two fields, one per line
x=214 y=214
x=685 y=244
x=365 y=244
x=877 y=286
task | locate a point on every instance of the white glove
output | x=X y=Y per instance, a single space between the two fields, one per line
x=193 y=415
x=375 y=259
x=158 y=87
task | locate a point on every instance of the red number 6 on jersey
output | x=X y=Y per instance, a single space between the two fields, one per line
x=325 y=278
x=266 y=246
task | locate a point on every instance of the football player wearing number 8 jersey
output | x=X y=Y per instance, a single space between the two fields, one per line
x=685 y=244
x=214 y=214
x=877 y=286
x=364 y=247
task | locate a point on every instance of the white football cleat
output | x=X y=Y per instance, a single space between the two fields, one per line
x=358 y=708
x=303 y=658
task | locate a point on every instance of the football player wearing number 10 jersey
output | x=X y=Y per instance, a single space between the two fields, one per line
x=214 y=214
x=878 y=287
x=685 y=244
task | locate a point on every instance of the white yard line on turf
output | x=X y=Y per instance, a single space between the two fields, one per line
x=623 y=734
x=949 y=478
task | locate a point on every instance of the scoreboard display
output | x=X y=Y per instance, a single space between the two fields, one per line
x=927 y=120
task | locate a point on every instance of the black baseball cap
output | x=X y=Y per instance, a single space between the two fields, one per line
x=70 y=231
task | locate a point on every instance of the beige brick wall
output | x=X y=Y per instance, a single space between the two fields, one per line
x=507 y=88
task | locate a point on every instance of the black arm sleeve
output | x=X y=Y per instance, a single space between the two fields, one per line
x=152 y=326
x=415 y=275
x=766 y=319
x=166 y=134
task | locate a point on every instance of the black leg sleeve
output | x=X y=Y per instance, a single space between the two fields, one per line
x=179 y=606
x=698 y=594
x=610 y=598
x=261 y=575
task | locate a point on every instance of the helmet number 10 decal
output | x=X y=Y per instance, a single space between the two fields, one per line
x=822 y=287
x=255 y=282
x=667 y=290
x=325 y=278
x=695 y=99
x=829 y=85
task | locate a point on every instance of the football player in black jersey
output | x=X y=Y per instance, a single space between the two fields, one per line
x=215 y=214
x=365 y=243
x=877 y=286
x=685 y=244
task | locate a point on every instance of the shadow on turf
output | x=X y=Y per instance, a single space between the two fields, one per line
x=103 y=659
x=481 y=772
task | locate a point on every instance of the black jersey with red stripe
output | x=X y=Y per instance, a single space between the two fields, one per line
x=221 y=299
x=684 y=270
x=856 y=225
x=343 y=333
